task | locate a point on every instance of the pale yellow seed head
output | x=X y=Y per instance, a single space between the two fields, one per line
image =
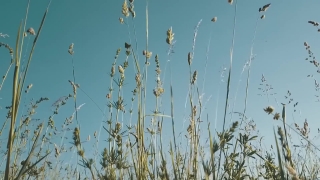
x=125 y=10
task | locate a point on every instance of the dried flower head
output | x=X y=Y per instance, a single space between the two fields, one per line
x=125 y=10
x=170 y=36
x=276 y=116
x=214 y=19
x=31 y=31
x=269 y=109
x=158 y=91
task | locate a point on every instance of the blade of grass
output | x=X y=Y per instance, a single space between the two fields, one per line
x=14 y=103
x=229 y=77
x=279 y=156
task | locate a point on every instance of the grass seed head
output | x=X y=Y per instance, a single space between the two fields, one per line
x=70 y=51
x=189 y=58
x=121 y=20
x=194 y=77
x=121 y=70
x=276 y=116
x=31 y=31
x=170 y=36
x=264 y=8
x=125 y=10
x=269 y=109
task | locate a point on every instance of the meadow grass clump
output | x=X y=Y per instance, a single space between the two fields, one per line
x=135 y=149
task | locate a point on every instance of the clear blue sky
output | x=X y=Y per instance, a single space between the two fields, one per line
x=94 y=28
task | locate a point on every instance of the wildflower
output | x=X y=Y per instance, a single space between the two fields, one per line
x=214 y=19
x=264 y=8
x=269 y=109
x=31 y=31
x=276 y=116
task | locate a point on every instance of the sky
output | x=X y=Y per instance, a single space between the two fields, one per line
x=94 y=28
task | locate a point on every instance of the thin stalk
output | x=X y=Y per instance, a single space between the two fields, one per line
x=229 y=77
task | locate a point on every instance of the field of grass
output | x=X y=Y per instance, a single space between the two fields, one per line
x=134 y=150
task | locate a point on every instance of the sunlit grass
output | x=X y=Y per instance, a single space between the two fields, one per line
x=135 y=149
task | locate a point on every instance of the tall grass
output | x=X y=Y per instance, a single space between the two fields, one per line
x=136 y=150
